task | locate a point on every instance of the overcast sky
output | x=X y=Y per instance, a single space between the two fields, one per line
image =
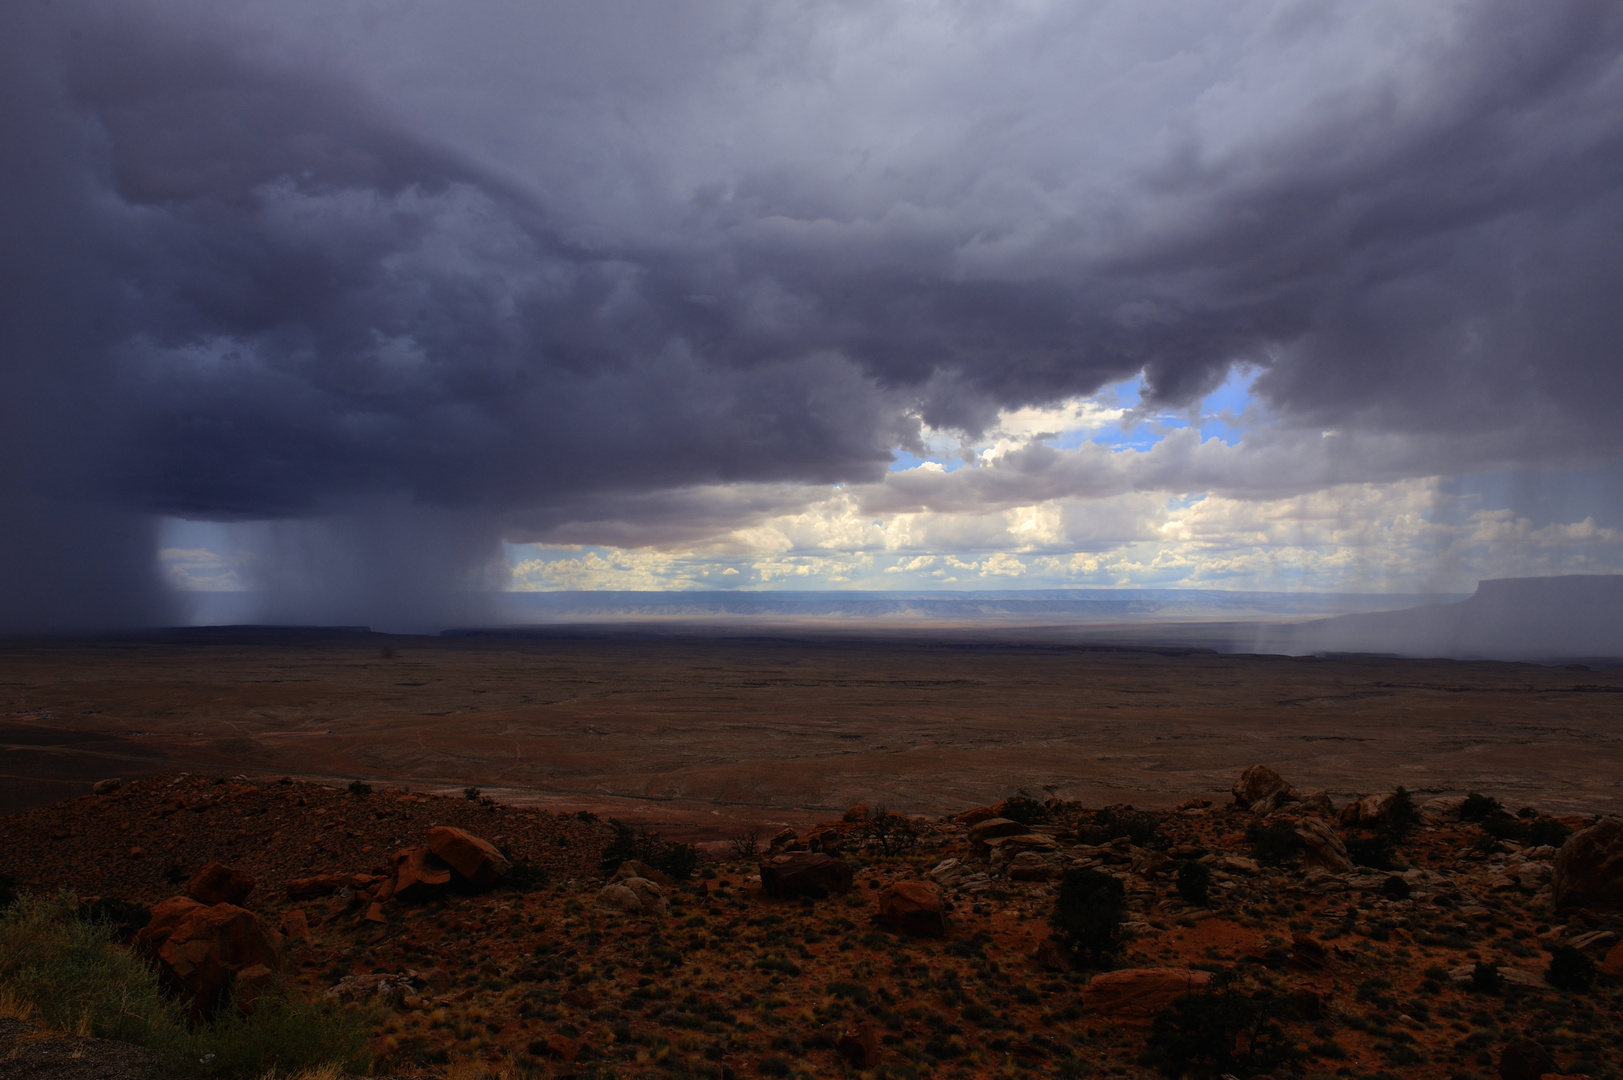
x=384 y=302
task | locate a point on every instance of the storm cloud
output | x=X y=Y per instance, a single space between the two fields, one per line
x=642 y=273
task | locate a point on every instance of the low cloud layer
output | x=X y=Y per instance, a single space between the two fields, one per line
x=646 y=277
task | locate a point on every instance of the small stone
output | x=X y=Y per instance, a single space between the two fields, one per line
x=106 y=787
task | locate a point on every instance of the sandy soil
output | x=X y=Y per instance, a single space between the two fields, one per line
x=704 y=735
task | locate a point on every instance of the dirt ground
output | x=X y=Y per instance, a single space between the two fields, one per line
x=704 y=735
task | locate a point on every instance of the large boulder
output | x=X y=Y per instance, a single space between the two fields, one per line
x=476 y=861
x=634 y=896
x=1321 y=847
x=1135 y=995
x=1369 y=812
x=1443 y=810
x=804 y=873
x=200 y=949
x=913 y=907
x=419 y=875
x=1257 y=788
x=636 y=868
x=1588 y=869
x=218 y=883
x=991 y=829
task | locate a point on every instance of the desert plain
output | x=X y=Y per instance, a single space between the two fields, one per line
x=701 y=734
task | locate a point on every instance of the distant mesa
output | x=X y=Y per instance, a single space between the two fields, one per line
x=1571 y=618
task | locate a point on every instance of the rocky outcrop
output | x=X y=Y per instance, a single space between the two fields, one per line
x=1321 y=847
x=1369 y=812
x=982 y=833
x=634 y=896
x=200 y=949
x=1588 y=869
x=804 y=873
x=106 y=787
x=636 y=868
x=419 y=874
x=1525 y=1059
x=1135 y=995
x=1258 y=787
x=476 y=861
x=218 y=883
x=913 y=908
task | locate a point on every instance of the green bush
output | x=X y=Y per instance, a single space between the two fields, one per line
x=1194 y=882
x=1273 y=845
x=1220 y=1029
x=1088 y=913
x=58 y=956
x=1570 y=970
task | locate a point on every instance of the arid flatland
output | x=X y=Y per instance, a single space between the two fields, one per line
x=674 y=728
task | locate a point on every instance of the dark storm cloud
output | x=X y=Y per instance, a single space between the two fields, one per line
x=542 y=265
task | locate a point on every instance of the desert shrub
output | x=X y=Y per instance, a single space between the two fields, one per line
x=1479 y=807
x=1194 y=882
x=677 y=860
x=1139 y=826
x=1570 y=970
x=8 y=890
x=70 y=971
x=118 y=914
x=359 y=788
x=524 y=875
x=1273 y=845
x=1402 y=817
x=1373 y=851
x=1026 y=810
x=746 y=844
x=890 y=832
x=1088 y=913
x=471 y=794
x=1546 y=831
x=1485 y=979
x=1220 y=1029
x=285 y=1032
x=1395 y=888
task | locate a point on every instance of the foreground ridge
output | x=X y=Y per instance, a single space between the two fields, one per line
x=1382 y=938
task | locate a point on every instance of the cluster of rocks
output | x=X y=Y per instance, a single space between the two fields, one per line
x=209 y=949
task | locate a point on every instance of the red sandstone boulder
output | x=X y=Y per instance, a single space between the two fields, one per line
x=201 y=948
x=1257 y=788
x=1135 y=995
x=1368 y=812
x=975 y=816
x=1588 y=869
x=804 y=873
x=1525 y=1059
x=475 y=860
x=859 y=1046
x=419 y=875
x=859 y=812
x=218 y=883
x=914 y=908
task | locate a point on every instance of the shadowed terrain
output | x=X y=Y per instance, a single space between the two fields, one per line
x=728 y=729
